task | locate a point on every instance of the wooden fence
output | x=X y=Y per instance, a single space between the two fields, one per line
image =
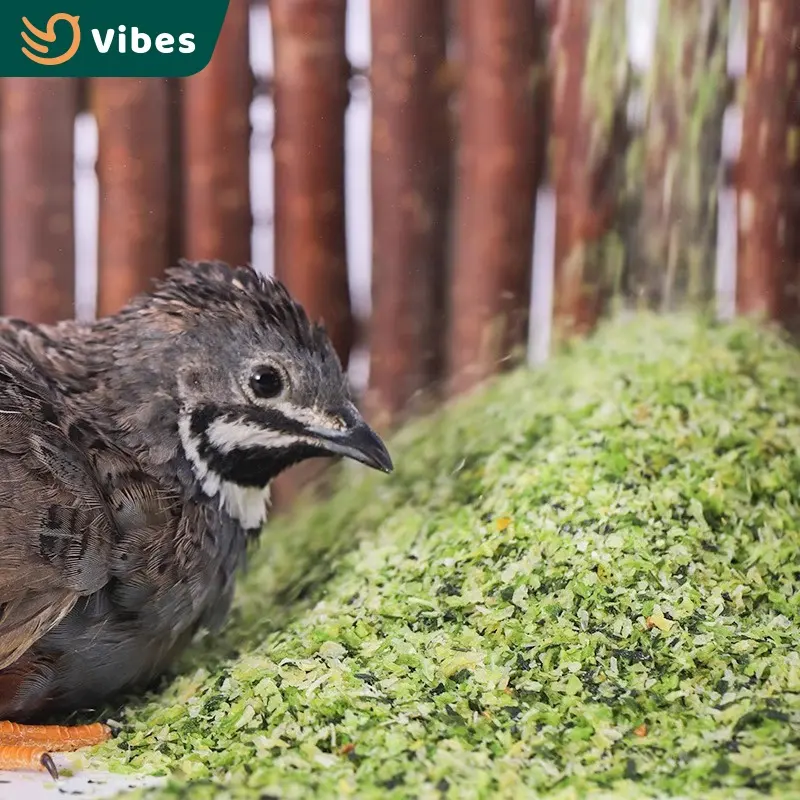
x=475 y=104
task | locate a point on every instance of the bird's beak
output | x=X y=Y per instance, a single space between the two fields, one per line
x=358 y=442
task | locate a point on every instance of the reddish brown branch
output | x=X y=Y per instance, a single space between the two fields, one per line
x=769 y=169
x=38 y=249
x=310 y=102
x=410 y=180
x=216 y=147
x=133 y=168
x=497 y=175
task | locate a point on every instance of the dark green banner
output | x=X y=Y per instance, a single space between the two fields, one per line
x=108 y=38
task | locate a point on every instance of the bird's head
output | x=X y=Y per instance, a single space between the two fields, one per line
x=259 y=387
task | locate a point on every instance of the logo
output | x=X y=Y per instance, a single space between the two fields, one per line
x=93 y=39
x=49 y=36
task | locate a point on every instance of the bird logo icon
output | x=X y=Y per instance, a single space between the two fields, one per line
x=49 y=36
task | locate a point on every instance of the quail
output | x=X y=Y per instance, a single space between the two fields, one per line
x=136 y=456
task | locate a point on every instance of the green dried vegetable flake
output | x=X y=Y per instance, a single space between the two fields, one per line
x=582 y=581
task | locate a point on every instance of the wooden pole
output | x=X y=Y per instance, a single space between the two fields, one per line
x=38 y=242
x=589 y=136
x=216 y=139
x=496 y=182
x=311 y=74
x=411 y=157
x=176 y=247
x=688 y=92
x=768 y=173
x=133 y=167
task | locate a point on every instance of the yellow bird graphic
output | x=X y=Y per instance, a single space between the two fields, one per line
x=49 y=35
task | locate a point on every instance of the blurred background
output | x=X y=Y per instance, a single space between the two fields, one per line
x=454 y=186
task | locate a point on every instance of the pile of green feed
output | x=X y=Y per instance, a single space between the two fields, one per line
x=581 y=581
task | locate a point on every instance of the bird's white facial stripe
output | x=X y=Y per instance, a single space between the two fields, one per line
x=226 y=436
x=310 y=417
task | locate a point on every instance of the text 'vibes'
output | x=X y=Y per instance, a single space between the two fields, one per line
x=141 y=42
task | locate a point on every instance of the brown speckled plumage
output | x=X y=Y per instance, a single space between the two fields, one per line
x=133 y=458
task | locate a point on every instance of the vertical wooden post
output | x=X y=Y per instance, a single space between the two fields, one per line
x=311 y=74
x=589 y=135
x=176 y=248
x=216 y=147
x=768 y=172
x=133 y=169
x=410 y=187
x=38 y=155
x=496 y=184
x=688 y=93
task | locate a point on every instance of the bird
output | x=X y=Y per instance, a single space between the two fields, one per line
x=136 y=457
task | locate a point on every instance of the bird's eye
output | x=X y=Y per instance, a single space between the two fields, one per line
x=266 y=382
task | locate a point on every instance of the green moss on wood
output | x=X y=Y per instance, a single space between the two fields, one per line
x=606 y=60
x=599 y=262
x=687 y=92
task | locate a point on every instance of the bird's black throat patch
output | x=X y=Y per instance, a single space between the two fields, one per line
x=256 y=466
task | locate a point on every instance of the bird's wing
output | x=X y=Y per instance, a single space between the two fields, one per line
x=56 y=532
